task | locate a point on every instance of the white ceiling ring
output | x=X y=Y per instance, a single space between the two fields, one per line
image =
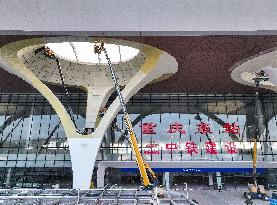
x=243 y=72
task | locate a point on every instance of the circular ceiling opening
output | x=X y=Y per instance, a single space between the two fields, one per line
x=84 y=51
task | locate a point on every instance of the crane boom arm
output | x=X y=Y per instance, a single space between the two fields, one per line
x=151 y=172
x=140 y=162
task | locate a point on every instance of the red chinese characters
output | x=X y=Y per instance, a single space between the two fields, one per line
x=152 y=145
x=148 y=128
x=211 y=148
x=231 y=148
x=191 y=147
x=204 y=128
x=171 y=146
x=176 y=127
x=152 y=148
x=232 y=128
x=151 y=152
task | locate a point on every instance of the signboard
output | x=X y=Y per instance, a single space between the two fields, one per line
x=190 y=147
x=231 y=169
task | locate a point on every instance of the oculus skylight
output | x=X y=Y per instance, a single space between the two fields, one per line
x=85 y=52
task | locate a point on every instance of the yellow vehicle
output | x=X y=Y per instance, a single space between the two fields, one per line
x=256 y=191
x=148 y=177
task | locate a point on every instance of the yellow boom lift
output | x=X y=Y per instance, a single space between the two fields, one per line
x=146 y=172
x=259 y=77
x=256 y=191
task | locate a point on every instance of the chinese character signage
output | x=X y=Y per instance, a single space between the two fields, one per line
x=191 y=148
x=152 y=148
x=232 y=128
x=176 y=127
x=148 y=128
x=188 y=145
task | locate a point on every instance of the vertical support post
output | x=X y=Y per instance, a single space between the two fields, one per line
x=83 y=152
x=167 y=181
x=29 y=135
x=218 y=180
x=163 y=179
x=8 y=178
x=96 y=98
x=211 y=183
x=101 y=175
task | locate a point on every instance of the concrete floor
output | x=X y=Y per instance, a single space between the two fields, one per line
x=203 y=195
x=209 y=196
x=212 y=197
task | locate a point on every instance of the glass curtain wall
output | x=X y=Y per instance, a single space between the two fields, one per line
x=202 y=127
x=33 y=148
x=178 y=127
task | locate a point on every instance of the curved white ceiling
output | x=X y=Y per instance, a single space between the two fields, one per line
x=244 y=72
